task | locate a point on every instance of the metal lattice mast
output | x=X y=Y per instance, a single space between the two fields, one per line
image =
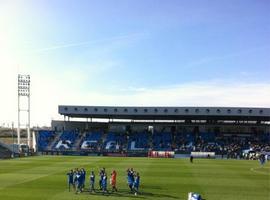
x=24 y=92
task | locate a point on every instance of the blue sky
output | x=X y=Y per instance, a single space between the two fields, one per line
x=123 y=49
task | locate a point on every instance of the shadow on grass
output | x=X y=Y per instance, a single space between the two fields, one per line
x=127 y=193
x=152 y=187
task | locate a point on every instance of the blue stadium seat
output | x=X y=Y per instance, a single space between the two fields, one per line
x=66 y=140
x=91 y=140
x=162 y=141
x=114 y=141
x=44 y=138
x=138 y=141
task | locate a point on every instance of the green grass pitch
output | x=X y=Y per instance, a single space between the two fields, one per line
x=44 y=177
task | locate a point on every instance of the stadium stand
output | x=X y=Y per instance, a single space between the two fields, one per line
x=91 y=141
x=44 y=139
x=227 y=132
x=162 y=141
x=66 y=140
x=115 y=142
x=231 y=147
x=138 y=141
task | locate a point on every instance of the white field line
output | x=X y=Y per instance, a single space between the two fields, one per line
x=255 y=170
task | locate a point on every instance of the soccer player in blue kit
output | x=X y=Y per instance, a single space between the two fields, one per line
x=92 y=182
x=79 y=182
x=101 y=174
x=136 y=183
x=83 y=174
x=104 y=184
x=70 y=179
x=130 y=179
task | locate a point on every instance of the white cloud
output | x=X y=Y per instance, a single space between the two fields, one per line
x=48 y=93
x=210 y=93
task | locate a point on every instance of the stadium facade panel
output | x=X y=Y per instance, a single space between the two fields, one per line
x=164 y=113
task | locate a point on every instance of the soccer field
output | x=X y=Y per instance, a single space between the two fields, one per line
x=44 y=177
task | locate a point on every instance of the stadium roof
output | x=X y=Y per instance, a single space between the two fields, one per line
x=165 y=113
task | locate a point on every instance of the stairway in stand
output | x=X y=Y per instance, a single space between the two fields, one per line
x=103 y=138
x=76 y=145
x=53 y=142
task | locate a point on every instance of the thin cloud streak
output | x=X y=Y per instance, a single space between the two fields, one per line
x=226 y=56
x=77 y=44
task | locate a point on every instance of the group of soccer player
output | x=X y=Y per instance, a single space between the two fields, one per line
x=77 y=178
x=133 y=179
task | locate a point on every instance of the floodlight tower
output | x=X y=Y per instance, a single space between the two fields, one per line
x=24 y=92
